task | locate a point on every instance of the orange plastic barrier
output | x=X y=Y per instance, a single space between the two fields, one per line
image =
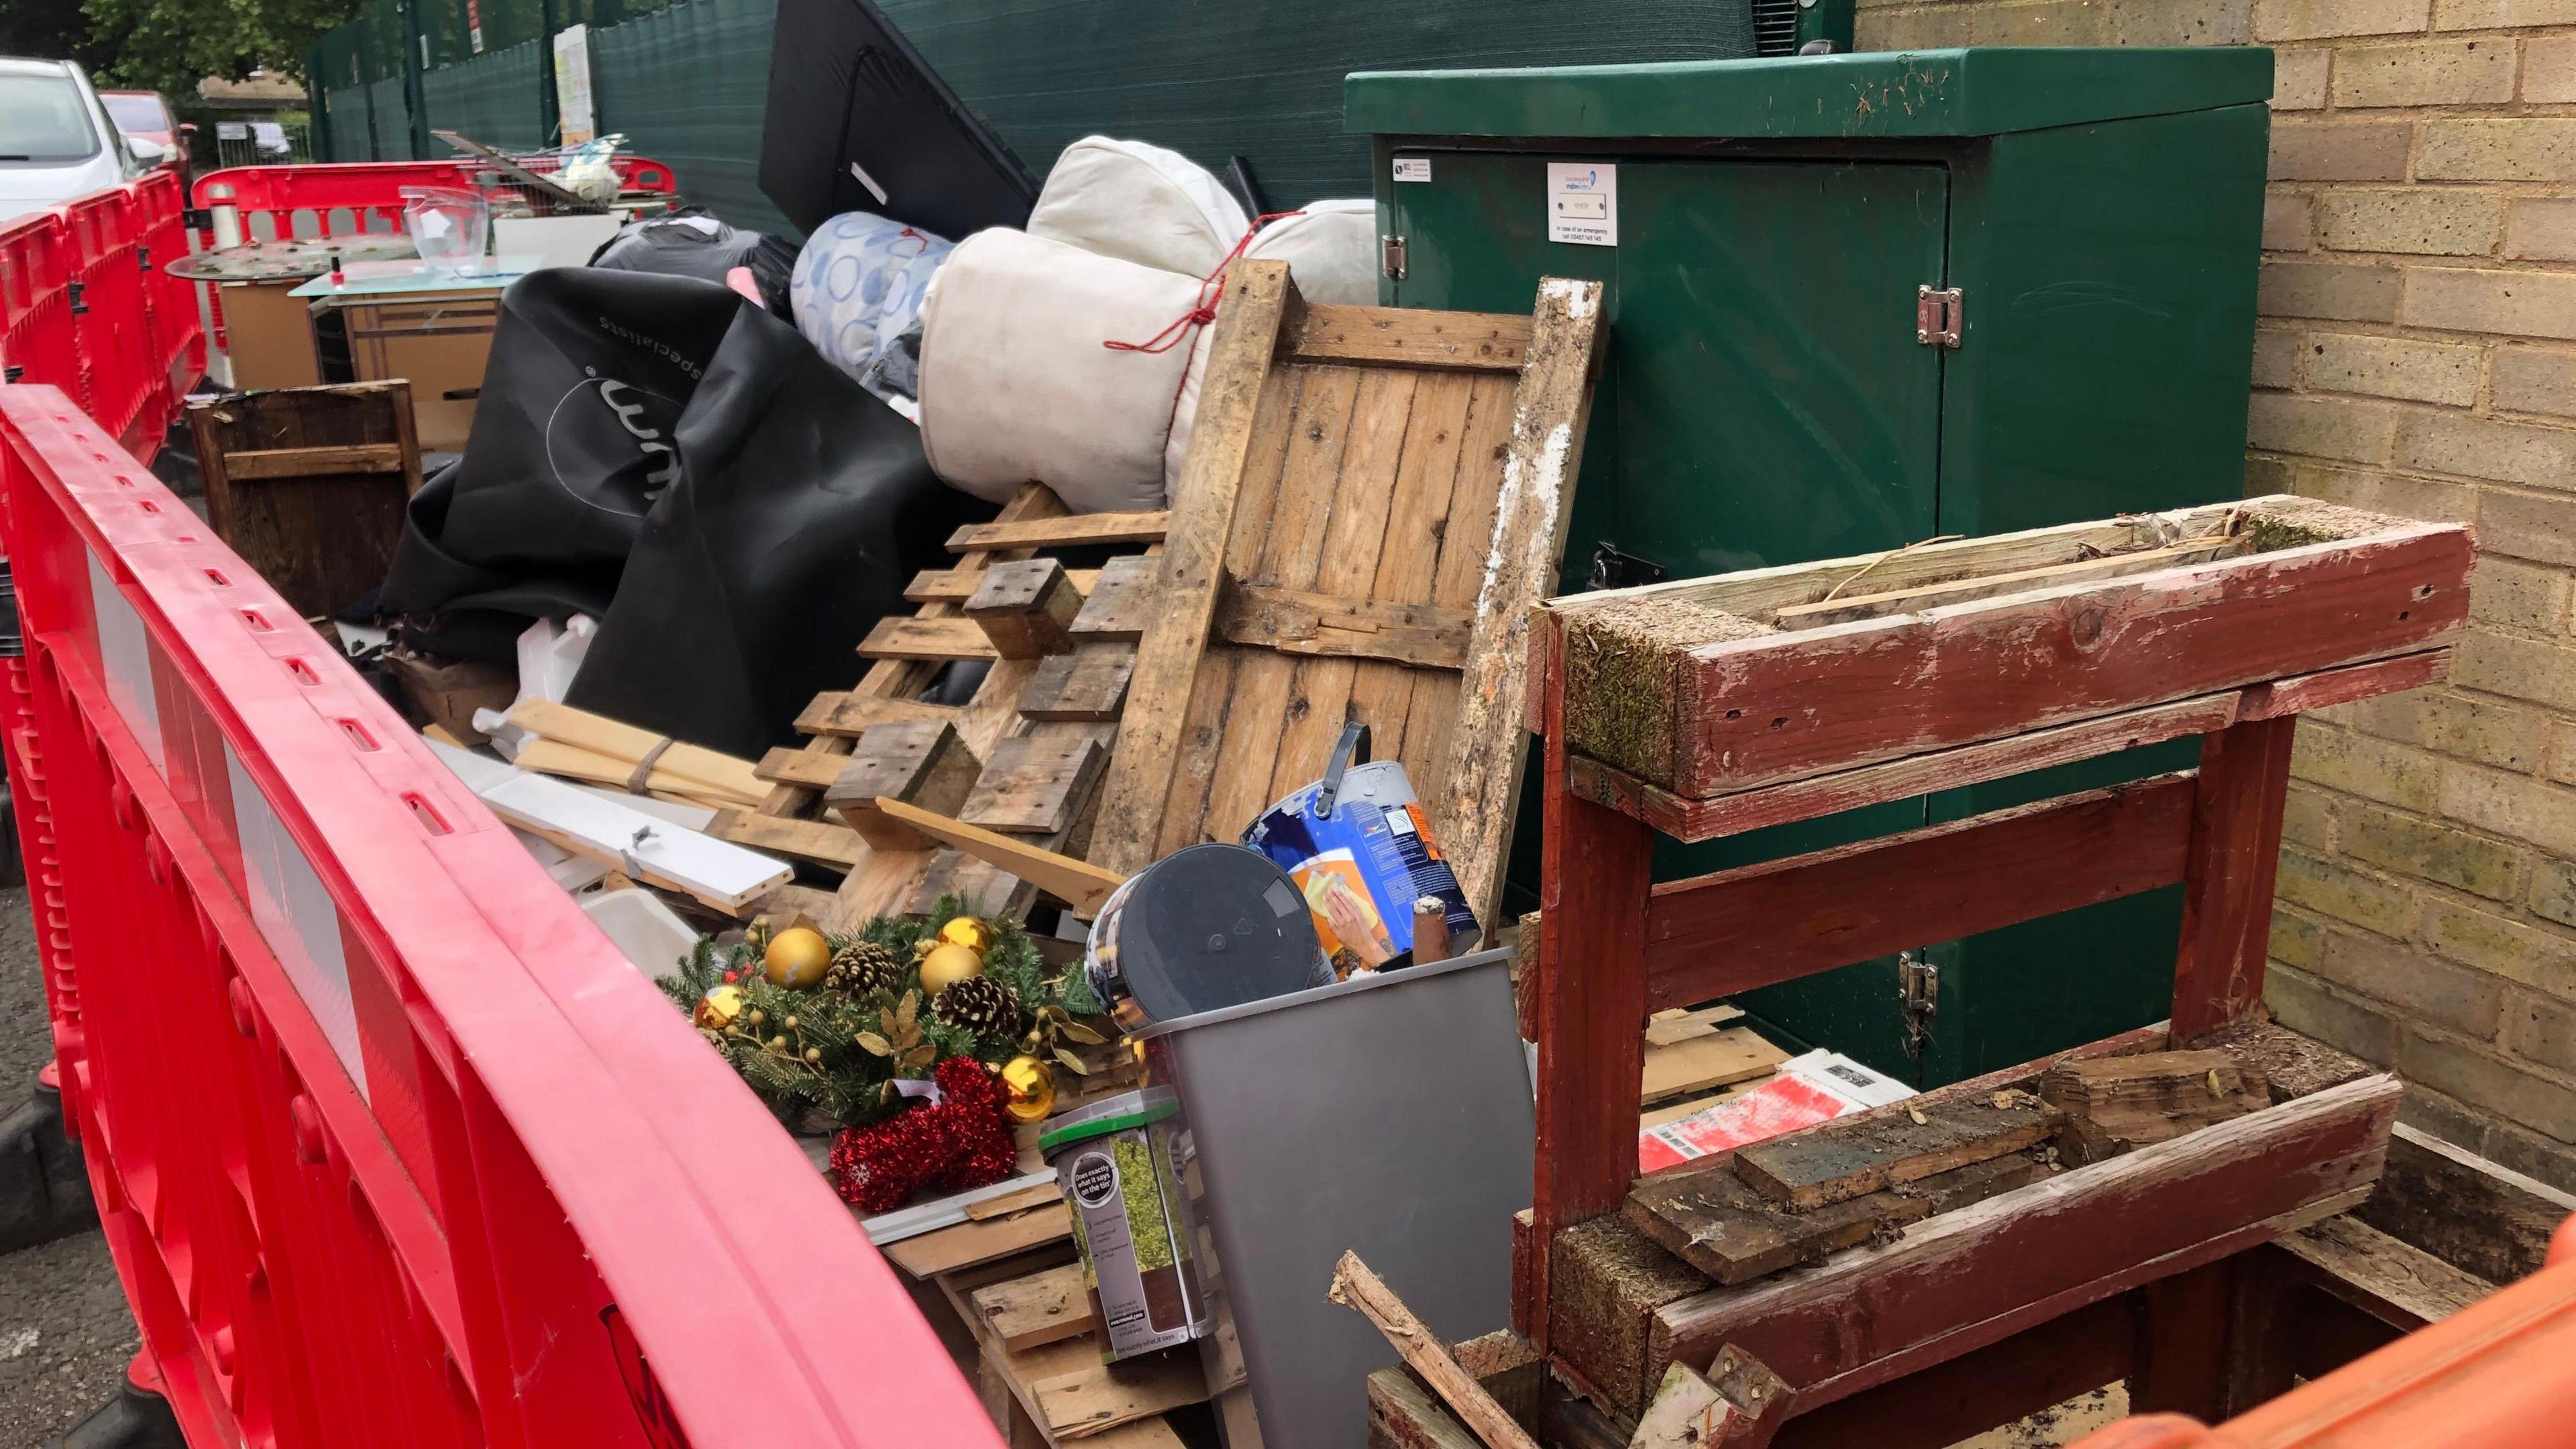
x=85 y=306
x=391 y=1145
x=2500 y=1374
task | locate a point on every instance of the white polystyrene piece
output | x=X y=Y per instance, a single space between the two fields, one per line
x=647 y=931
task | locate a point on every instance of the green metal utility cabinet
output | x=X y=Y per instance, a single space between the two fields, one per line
x=1858 y=301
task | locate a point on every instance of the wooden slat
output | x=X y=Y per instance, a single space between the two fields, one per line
x=1407 y=337
x=1068 y=531
x=1696 y=1064
x=727 y=774
x=1756 y=925
x=1118 y=605
x=2234 y=848
x=1044 y=1307
x=1807 y=1170
x=810 y=769
x=1088 y=684
x=847 y=714
x=957 y=585
x=1092 y=1398
x=966 y=1244
x=1896 y=779
x=2472 y=1213
x=1295 y=621
x=813 y=840
x=1360 y=1289
x=1965 y=1279
x=1258 y=298
x=928 y=639
x=2304 y=692
x=1959 y=591
x=1033 y=783
x=1079 y=884
x=305 y=462
x=1475 y=794
x=2393 y=1281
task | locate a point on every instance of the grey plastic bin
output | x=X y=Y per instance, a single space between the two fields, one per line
x=1387 y=1115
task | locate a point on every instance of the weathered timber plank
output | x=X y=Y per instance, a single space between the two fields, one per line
x=957 y=585
x=1033 y=784
x=1971 y=1277
x=1830 y=1164
x=1361 y=1290
x=813 y=840
x=2288 y=1064
x=1606 y=1280
x=1781 y=706
x=2474 y=1214
x=1067 y=531
x=2227 y=874
x=1716 y=935
x=2395 y=1282
x=305 y=462
x=927 y=639
x=1238 y=388
x=1402 y=1416
x=1407 y=337
x=1088 y=684
x=1296 y=621
x=809 y=769
x=1896 y=779
x=1117 y=606
x=2301 y=693
x=1475 y=793
x=848 y=714
x=1719 y=1224
x=1847 y=607
x=1965 y=1396
x=1043 y=1307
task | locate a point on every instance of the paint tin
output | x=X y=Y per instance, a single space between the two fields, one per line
x=1359 y=848
x=1119 y=1163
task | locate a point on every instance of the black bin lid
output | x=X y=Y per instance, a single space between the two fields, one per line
x=1214 y=926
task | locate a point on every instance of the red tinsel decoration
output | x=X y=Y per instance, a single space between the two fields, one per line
x=961 y=1142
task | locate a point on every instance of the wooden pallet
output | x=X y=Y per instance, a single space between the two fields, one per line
x=1034 y=739
x=1373 y=500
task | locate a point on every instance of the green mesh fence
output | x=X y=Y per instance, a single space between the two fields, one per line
x=393 y=120
x=346 y=131
x=686 y=84
x=493 y=98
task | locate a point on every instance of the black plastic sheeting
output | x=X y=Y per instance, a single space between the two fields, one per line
x=661 y=454
x=856 y=122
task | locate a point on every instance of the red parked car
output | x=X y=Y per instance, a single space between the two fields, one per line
x=144 y=116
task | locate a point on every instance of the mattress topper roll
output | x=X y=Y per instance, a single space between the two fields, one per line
x=1139 y=203
x=1018 y=383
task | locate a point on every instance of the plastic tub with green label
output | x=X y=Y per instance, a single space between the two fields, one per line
x=1116 y=1162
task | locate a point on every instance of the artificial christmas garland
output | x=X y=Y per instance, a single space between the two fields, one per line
x=836 y=1048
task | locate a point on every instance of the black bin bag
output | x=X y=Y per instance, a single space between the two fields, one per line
x=661 y=454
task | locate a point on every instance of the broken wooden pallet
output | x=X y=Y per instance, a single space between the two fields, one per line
x=1023 y=756
x=1357 y=535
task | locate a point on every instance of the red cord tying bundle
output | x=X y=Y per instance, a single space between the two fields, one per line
x=960 y=1142
x=1211 y=292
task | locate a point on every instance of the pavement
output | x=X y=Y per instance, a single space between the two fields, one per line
x=65 y=1334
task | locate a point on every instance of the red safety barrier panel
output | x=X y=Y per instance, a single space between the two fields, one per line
x=85 y=307
x=352 y=198
x=391 y=1145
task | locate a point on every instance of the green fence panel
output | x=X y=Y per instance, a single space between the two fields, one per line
x=347 y=110
x=686 y=84
x=492 y=98
x=1262 y=79
x=393 y=123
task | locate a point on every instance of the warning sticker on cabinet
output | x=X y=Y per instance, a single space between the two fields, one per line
x=1412 y=168
x=1583 y=203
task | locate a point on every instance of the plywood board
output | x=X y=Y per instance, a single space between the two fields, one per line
x=1346 y=488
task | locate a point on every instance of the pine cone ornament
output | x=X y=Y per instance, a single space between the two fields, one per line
x=979 y=1004
x=860 y=967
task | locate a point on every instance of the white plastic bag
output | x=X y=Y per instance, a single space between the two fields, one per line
x=1018 y=386
x=859 y=282
x=1140 y=204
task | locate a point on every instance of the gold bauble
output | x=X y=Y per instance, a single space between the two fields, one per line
x=946 y=965
x=968 y=932
x=1028 y=1089
x=797 y=958
x=718 y=1008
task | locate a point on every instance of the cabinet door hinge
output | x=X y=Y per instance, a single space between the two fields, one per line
x=1390 y=255
x=1939 y=314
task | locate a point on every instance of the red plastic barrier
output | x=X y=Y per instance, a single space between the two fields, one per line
x=349 y=199
x=85 y=307
x=391 y=1145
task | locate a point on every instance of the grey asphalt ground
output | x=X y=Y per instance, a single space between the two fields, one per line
x=65 y=1335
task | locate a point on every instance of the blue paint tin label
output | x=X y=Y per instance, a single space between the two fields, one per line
x=1363 y=865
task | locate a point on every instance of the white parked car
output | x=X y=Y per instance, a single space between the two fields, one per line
x=56 y=142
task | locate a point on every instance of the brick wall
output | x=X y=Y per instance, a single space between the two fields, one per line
x=2417 y=355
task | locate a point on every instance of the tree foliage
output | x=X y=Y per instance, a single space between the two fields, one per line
x=170 y=45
